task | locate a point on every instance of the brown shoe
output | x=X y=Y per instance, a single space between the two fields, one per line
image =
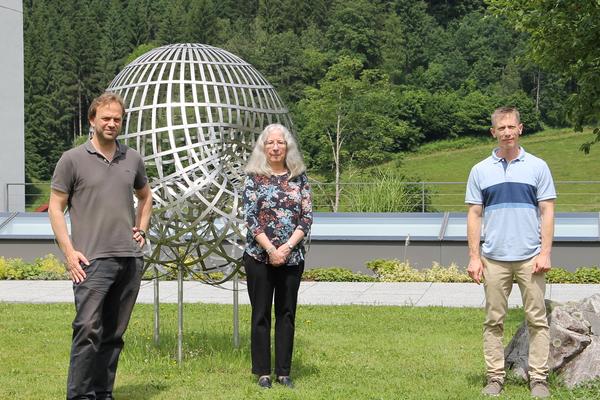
x=539 y=389
x=493 y=388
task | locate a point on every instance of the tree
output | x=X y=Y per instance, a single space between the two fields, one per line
x=49 y=90
x=349 y=118
x=143 y=18
x=353 y=30
x=421 y=34
x=291 y=15
x=445 y=11
x=202 y=22
x=171 y=27
x=329 y=110
x=564 y=37
x=114 y=45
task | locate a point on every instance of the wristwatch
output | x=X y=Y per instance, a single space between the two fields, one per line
x=289 y=245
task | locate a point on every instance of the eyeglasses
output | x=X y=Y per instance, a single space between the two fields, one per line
x=272 y=143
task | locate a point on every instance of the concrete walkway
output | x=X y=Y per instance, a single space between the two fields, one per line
x=419 y=294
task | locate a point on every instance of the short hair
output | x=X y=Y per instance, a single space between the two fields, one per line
x=505 y=111
x=104 y=99
x=258 y=164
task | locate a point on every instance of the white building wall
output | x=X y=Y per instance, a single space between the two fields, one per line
x=12 y=127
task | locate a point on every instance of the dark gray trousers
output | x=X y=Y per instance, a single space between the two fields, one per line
x=103 y=303
x=265 y=282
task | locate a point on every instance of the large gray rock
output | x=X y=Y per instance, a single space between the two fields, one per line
x=574 y=342
x=585 y=367
x=569 y=335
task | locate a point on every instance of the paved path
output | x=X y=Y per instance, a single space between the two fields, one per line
x=318 y=293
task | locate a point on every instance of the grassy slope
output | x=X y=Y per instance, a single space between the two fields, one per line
x=560 y=149
x=38 y=199
x=345 y=352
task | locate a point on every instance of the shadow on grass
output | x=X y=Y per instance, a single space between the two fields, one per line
x=139 y=391
x=476 y=379
x=301 y=365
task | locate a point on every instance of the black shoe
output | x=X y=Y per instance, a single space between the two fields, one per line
x=285 y=381
x=264 y=382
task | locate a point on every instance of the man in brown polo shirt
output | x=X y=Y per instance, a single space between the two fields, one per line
x=96 y=181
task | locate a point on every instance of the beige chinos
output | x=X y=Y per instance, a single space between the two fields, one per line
x=498 y=283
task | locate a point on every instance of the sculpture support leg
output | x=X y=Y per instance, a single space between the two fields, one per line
x=156 y=309
x=180 y=314
x=236 y=310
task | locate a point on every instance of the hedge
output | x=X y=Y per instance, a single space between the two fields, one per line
x=384 y=270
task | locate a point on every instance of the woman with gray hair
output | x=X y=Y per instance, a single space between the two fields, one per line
x=278 y=214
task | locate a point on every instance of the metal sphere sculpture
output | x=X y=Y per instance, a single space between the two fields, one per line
x=193 y=112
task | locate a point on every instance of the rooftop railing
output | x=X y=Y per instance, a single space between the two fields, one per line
x=573 y=196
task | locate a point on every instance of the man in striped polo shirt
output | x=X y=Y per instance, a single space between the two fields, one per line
x=514 y=193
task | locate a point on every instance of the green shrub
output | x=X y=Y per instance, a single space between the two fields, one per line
x=18 y=269
x=336 y=274
x=50 y=268
x=209 y=277
x=170 y=274
x=398 y=271
x=452 y=273
x=3 y=268
x=394 y=271
x=581 y=275
x=587 y=275
x=559 y=275
x=45 y=268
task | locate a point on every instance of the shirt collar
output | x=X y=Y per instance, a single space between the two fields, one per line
x=91 y=149
x=520 y=157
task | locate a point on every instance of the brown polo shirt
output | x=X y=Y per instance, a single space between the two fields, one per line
x=101 y=199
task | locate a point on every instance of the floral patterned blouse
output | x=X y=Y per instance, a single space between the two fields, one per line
x=277 y=206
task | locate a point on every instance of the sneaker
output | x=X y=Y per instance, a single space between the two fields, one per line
x=285 y=381
x=264 y=382
x=539 y=389
x=493 y=388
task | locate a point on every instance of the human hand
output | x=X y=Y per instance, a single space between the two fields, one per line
x=75 y=262
x=139 y=236
x=475 y=269
x=277 y=257
x=541 y=264
x=285 y=250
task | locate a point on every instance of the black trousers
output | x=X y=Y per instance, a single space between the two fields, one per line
x=103 y=303
x=264 y=281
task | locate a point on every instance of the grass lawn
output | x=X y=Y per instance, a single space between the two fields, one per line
x=342 y=352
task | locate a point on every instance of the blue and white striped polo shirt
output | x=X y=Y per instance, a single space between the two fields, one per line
x=509 y=193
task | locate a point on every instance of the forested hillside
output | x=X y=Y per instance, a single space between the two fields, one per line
x=384 y=76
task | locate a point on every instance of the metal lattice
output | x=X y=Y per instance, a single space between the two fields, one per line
x=193 y=112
